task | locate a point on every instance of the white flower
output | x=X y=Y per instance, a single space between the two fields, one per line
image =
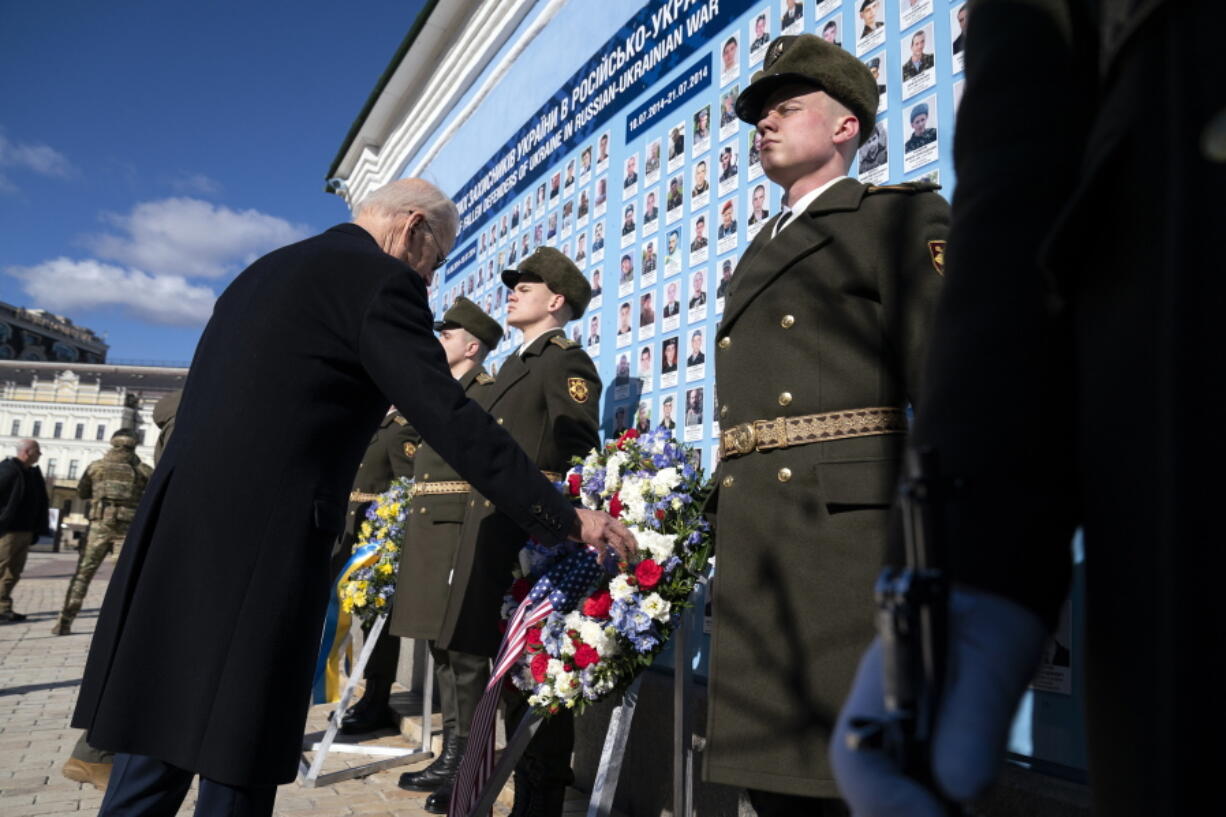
x=598 y=636
x=633 y=502
x=566 y=685
x=664 y=481
x=620 y=588
x=554 y=669
x=658 y=546
x=573 y=619
x=655 y=606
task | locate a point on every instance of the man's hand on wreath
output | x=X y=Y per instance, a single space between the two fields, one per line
x=604 y=533
x=994 y=646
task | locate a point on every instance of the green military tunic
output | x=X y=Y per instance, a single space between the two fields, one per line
x=390 y=455
x=548 y=398
x=832 y=314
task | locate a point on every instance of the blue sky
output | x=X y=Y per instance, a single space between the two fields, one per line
x=149 y=150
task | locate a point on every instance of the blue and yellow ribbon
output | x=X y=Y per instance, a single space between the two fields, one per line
x=327 y=685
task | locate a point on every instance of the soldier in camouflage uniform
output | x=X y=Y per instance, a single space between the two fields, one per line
x=115 y=484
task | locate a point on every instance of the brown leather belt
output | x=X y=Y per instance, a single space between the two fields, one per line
x=460 y=487
x=785 y=432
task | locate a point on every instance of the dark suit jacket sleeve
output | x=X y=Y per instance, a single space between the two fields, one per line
x=402 y=356
x=576 y=425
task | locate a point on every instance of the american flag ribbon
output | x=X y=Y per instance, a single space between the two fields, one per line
x=560 y=589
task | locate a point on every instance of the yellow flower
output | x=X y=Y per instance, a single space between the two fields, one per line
x=359 y=601
x=347 y=605
x=385 y=569
x=379 y=602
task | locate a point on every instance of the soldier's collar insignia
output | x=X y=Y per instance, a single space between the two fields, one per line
x=410 y=450
x=578 y=389
x=400 y=420
x=937 y=250
x=485 y=378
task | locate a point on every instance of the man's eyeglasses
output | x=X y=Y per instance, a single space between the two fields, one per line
x=442 y=258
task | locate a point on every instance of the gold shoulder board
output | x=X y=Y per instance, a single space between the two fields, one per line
x=565 y=343
x=903 y=187
x=400 y=420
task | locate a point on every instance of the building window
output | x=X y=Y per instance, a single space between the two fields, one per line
x=72 y=469
x=101 y=433
x=59 y=430
x=140 y=436
x=80 y=431
x=16 y=432
x=51 y=467
x=38 y=428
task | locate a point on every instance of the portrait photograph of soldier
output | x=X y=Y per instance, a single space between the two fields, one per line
x=912 y=11
x=672 y=254
x=957 y=25
x=672 y=306
x=700 y=187
x=555 y=188
x=593 y=335
x=629 y=225
x=624 y=324
x=642 y=417
x=697 y=303
x=568 y=179
x=625 y=278
x=727 y=170
x=876 y=67
x=602 y=153
x=551 y=229
x=871 y=28
x=698 y=239
x=646 y=368
x=701 y=132
x=831 y=30
x=919 y=64
x=874 y=156
x=585 y=206
x=759 y=37
x=728 y=123
x=630 y=175
x=729 y=60
x=693 y=414
x=585 y=165
x=791 y=16
x=651 y=212
x=668 y=362
x=598 y=242
x=648 y=263
x=758 y=209
x=597 y=289
x=667 y=412
x=696 y=358
x=651 y=169
x=568 y=219
x=647 y=316
x=725 y=281
x=675 y=198
x=602 y=195
x=676 y=146
x=921 y=146
x=726 y=233
x=753 y=143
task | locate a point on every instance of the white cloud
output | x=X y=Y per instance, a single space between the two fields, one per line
x=191 y=238
x=196 y=183
x=38 y=158
x=65 y=285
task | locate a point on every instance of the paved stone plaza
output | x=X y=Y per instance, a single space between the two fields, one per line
x=39 y=678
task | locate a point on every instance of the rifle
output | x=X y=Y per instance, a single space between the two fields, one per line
x=912 y=621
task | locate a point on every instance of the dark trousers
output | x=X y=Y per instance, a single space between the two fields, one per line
x=461 y=681
x=546 y=761
x=774 y=804
x=381 y=666
x=146 y=787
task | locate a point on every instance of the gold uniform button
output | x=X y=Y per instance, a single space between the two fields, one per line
x=487 y=503
x=725 y=342
x=785 y=474
x=472 y=503
x=727 y=483
x=500 y=421
x=723 y=411
x=423 y=510
x=425 y=477
x=785 y=398
x=787 y=321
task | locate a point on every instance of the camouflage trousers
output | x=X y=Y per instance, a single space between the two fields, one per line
x=98 y=542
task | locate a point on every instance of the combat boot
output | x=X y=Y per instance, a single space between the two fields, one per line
x=442 y=770
x=536 y=799
x=440 y=800
x=372 y=711
x=63 y=626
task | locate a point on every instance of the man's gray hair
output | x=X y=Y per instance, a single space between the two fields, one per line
x=26 y=446
x=402 y=198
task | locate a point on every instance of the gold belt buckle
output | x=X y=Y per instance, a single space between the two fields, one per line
x=744 y=439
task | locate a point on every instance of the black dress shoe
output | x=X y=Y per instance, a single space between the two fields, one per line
x=368 y=719
x=438 y=802
x=442 y=771
x=12 y=616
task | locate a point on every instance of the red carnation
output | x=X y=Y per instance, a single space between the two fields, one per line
x=533 y=639
x=660 y=515
x=573 y=481
x=648 y=573
x=615 y=505
x=520 y=589
x=586 y=655
x=540 y=663
x=628 y=434
x=598 y=605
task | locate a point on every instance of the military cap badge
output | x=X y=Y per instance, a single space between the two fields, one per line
x=937 y=250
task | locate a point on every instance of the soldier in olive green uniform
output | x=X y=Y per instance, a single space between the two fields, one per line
x=819 y=351
x=389 y=456
x=432 y=537
x=547 y=396
x=114 y=484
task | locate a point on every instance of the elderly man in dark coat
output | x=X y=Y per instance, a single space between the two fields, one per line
x=201 y=662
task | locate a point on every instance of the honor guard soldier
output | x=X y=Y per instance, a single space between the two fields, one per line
x=547 y=396
x=113 y=485
x=819 y=352
x=432 y=536
x=389 y=456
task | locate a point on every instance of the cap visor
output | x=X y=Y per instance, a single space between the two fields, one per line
x=749 y=103
x=510 y=277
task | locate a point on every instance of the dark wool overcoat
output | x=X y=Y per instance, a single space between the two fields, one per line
x=831 y=314
x=204 y=648
x=462 y=549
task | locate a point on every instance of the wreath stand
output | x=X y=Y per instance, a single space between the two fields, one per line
x=613 y=753
x=390 y=756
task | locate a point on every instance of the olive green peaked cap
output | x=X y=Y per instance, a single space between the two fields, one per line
x=468 y=316
x=809 y=59
x=558 y=273
x=124 y=438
